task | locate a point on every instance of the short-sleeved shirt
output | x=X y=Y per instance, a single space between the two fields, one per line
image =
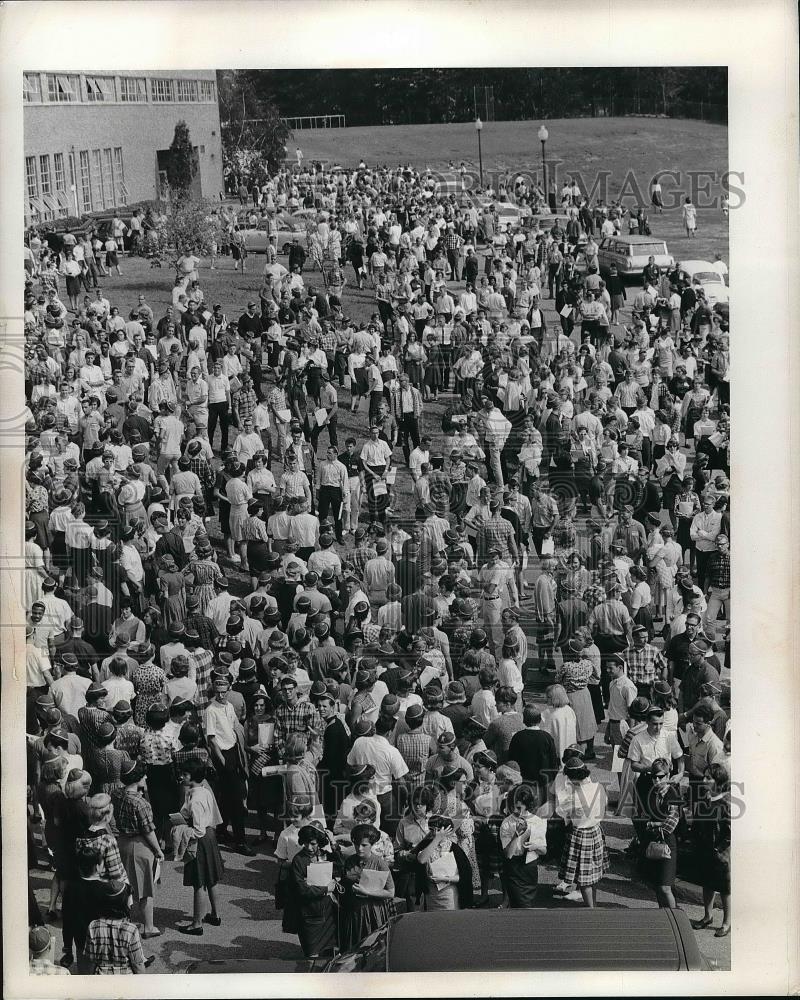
x=645 y=749
x=219 y=722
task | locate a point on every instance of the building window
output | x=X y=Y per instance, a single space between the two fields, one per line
x=86 y=182
x=31 y=88
x=100 y=89
x=208 y=90
x=58 y=169
x=119 y=178
x=133 y=89
x=63 y=89
x=44 y=173
x=108 y=179
x=31 y=180
x=98 y=195
x=187 y=90
x=162 y=90
x=60 y=184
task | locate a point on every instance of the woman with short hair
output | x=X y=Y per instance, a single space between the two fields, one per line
x=582 y=805
x=660 y=803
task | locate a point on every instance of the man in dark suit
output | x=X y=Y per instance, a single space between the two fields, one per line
x=535 y=752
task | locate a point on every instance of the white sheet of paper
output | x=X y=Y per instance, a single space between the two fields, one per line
x=379 y=489
x=284 y=415
x=391 y=475
x=320 y=415
x=566 y=311
x=616 y=762
x=444 y=868
x=319 y=873
x=266 y=733
x=373 y=880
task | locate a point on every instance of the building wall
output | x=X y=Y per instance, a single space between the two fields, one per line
x=119 y=139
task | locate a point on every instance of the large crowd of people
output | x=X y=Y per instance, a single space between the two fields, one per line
x=269 y=586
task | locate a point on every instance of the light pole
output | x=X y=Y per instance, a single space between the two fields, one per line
x=478 y=128
x=543 y=135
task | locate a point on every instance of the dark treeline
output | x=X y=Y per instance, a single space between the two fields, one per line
x=425 y=96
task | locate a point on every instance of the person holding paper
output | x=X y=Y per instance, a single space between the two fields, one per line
x=447 y=881
x=523 y=838
x=313 y=883
x=369 y=889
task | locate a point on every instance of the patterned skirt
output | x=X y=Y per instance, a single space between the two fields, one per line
x=585 y=858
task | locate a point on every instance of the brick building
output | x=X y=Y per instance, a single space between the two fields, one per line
x=96 y=141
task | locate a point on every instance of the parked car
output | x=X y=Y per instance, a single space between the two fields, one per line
x=630 y=254
x=256 y=237
x=652 y=940
x=702 y=273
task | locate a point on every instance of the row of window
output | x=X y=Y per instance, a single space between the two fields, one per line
x=97 y=180
x=74 y=88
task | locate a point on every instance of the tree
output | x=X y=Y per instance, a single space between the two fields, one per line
x=181 y=166
x=250 y=119
x=189 y=228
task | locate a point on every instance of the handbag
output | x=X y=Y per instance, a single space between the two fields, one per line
x=658 y=850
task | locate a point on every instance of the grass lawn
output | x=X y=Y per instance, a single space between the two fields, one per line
x=630 y=150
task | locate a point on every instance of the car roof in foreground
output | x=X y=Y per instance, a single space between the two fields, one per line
x=530 y=940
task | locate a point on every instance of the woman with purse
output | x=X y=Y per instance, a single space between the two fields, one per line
x=660 y=803
x=714 y=847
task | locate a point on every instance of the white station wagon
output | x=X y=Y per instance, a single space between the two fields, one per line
x=630 y=254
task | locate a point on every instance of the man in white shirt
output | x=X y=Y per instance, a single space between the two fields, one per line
x=703 y=530
x=369 y=748
x=418 y=457
x=219 y=723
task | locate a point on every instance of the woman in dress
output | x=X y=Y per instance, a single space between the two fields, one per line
x=239 y=496
x=486 y=800
x=452 y=805
x=102 y=759
x=414 y=358
x=149 y=680
x=203 y=866
x=523 y=839
x=172 y=591
x=660 y=804
x=315 y=906
x=446 y=875
x=53 y=801
x=361 y=789
x=714 y=845
x=205 y=573
x=138 y=844
x=37 y=509
x=256 y=539
x=411 y=831
x=574 y=674
x=664 y=555
x=582 y=806
x=559 y=719
x=35 y=570
x=365 y=908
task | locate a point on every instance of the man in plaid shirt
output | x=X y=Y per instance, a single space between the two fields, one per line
x=293 y=716
x=199 y=655
x=718 y=582
x=246 y=400
x=414 y=746
x=645 y=663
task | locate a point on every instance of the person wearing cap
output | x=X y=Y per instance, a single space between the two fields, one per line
x=332 y=766
x=702 y=668
x=645 y=663
x=622 y=691
x=379 y=574
x=498 y=590
x=446 y=755
x=718 y=583
x=40 y=947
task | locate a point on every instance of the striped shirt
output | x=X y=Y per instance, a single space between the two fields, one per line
x=114 y=947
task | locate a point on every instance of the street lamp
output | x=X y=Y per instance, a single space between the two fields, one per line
x=478 y=127
x=543 y=135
